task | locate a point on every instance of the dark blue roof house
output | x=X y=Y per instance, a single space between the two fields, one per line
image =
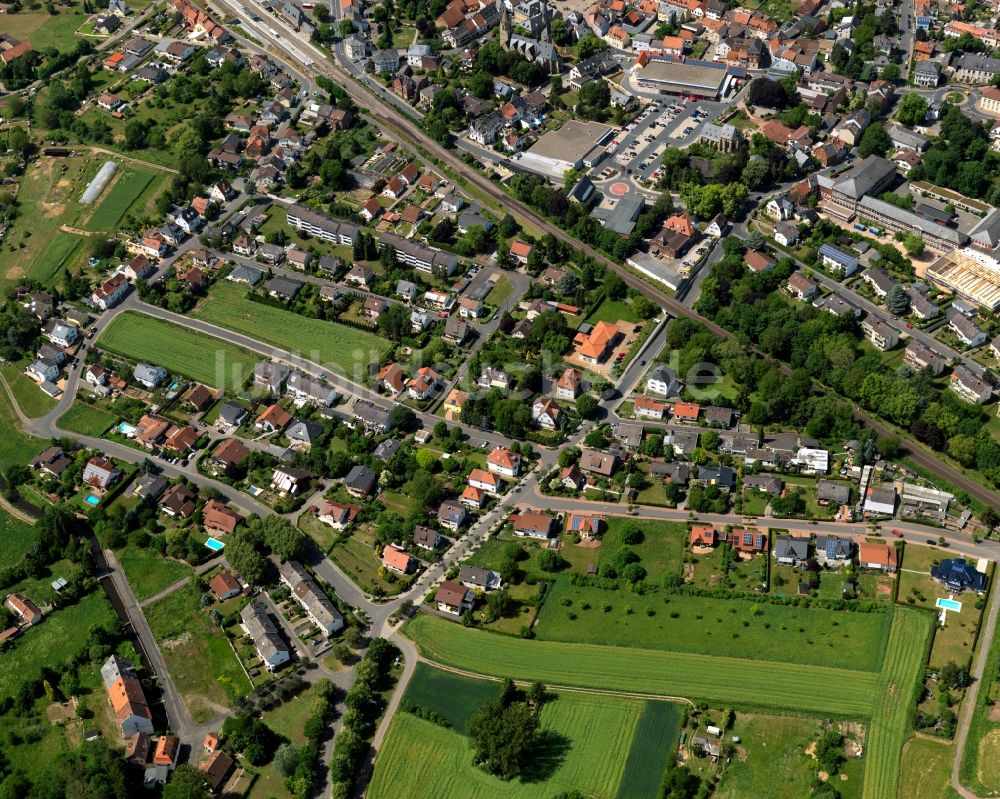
x=848 y=262
x=957 y=574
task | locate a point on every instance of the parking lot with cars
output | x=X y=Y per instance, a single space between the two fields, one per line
x=675 y=121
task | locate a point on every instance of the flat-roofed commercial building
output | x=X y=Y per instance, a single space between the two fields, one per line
x=681 y=76
x=573 y=146
x=971 y=274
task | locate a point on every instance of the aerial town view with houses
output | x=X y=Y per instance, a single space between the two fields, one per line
x=480 y=399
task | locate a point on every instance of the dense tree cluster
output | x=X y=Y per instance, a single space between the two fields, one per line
x=961 y=158
x=504 y=734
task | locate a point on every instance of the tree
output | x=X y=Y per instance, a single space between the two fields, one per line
x=503 y=737
x=913 y=243
x=394 y=322
x=586 y=405
x=708 y=200
x=874 y=141
x=767 y=93
x=890 y=72
x=953 y=676
x=186 y=782
x=245 y=559
x=912 y=109
x=897 y=301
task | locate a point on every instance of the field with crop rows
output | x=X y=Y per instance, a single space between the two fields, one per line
x=453 y=697
x=762 y=685
x=652 y=748
x=585 y=744
x=895 y=698
x=129 y=186
x=179 y=350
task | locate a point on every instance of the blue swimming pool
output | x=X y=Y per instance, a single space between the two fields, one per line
x=90 y=499
x=948 y=604
x=214 y=544
x=173 y=386
x=126 y=429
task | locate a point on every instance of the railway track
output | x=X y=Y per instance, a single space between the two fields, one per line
x=405 y=129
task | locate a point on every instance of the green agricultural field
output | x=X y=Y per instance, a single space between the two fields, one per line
x=86 y=420
x=61 y=634
x=725 y=627
x=894 y=701
x=588 y=742
x=45 y=30
x=129 y=186
x=337 y=347
x=17 y=537
x=763 y=685
x=201 y=660
x=652 y=747
x=15 y=445
x=149 y=572
x=62 y=250
x=453 y=697
x=181 y=351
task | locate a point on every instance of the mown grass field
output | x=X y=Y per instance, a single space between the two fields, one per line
x=61 y=251
x=86 y=420
x=149 y=572
x=181 y=351
x=336 y=347
x=61 y=634
x=653 y=745
x=982 y=748
x=17 y=538
x=15 y=445
x=586 y=740
x=926 y=769
x=723 y=627
x=776 y=765
x=894 y=700
x=128 y=188
x=453 y=697
x=201 y=661
x=32 y=401
x=762 y=684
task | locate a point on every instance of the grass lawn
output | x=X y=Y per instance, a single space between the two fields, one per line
x=149 y=572
x=201 y=661
x=612 y=311
x=926 y=769
x=334 y=346
x=660 y=551
x=745 y=575
x=323 y=534
x=17 y=537
x=32 y=401
x=15 y=446
x=587 y=742
x=86 y=420
x=982 y=750
x=894 y=701
x=500 y=292
x=181 y=351
x=770 y=685
x=129 y=186
x=774 y=745
x=723 y=627
x=61 y=634
x=955 y=640
x=45 y=30
x=356 y=557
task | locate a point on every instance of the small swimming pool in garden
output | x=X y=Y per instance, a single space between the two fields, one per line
x=173 y=386
x=126 y=429
x=214 y=544
x=948 y=604
x=90 y=499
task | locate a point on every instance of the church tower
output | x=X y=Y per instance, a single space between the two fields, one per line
x=545 y=34
x=505 y=25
